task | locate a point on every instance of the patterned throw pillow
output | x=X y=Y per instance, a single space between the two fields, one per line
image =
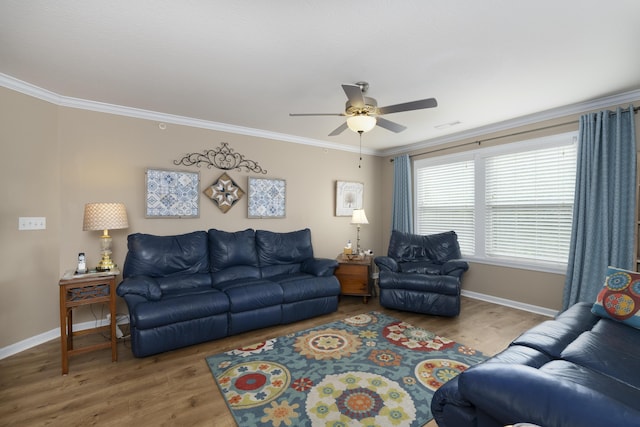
x=619 y=298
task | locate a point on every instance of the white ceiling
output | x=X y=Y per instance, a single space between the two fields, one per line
x=251 y=63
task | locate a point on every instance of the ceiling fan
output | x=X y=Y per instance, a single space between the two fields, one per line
x=363 y=113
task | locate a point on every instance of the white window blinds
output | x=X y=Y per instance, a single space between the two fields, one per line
x=445 y=201
x=529 y=204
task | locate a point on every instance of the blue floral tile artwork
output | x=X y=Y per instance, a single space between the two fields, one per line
x=172 y=194
x=267 y=198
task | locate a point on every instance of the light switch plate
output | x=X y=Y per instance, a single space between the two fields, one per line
x=32 y=223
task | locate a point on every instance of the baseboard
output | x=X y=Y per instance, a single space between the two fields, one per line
x=510 y=303
x=42 y=338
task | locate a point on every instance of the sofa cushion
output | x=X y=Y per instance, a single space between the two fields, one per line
x=251 y=294
x=183 y=282
x=619 y=298
x=549 y=337
x=186 y=306
x=283 y=249
x=442 y=247
x=231 y=249
x=607 y=354
x=420 y=267
x=164 y=256
x=300 y=286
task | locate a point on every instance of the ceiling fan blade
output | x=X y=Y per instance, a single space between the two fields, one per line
x=408 y=106
x=339 y=129
x=354 y=93
x=315 y=114
x=389 y=125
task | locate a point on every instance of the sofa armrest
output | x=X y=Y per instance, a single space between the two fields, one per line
x=455 y=267
x=386 y=263
x=517 y=393
x=320 y=267
x=144 y=286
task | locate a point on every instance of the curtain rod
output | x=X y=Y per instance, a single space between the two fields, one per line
x=480 y=141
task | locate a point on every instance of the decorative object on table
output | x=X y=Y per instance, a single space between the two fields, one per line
x=172 y=194
x=369 y=369
x=348 y=248
x=267 y=198
x=358 y=218
x=105 y=217
x=223 y=157
x=349 y=196
x=224 y=192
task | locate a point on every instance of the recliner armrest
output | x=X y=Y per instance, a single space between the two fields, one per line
x=451 y=266
x=517 y=393
x=386 y=263
x=144 y=286
x=320 y=267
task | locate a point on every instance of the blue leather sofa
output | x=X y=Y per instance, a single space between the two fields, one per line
x=578 y=370
x=422 y=273
x=196 y=287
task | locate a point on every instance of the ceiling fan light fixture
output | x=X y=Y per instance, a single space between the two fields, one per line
x=361 y=123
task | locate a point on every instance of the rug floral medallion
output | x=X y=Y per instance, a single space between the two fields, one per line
x=366 y=370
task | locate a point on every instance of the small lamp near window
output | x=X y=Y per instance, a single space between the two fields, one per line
x=358 y=218
x=105 y=217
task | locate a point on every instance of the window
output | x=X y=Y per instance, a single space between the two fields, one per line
x=510 y=205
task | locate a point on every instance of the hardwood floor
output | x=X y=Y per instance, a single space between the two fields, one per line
x=177 y=388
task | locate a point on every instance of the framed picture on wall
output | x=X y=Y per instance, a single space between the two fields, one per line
x=172 y=194
x=267 y=198
x=349 y=196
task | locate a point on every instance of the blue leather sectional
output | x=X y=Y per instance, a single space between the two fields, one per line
x=196 y=287
x=578 y=370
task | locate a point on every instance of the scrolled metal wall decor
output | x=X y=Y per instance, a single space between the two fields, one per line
x=222 y=157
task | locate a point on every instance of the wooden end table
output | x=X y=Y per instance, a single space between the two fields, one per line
x=84 y=290
x=354 y=275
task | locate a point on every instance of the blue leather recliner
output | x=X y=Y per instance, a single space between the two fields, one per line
x=196 y=287
x=422 y=273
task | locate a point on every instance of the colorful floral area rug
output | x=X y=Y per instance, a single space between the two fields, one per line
x=366 y=370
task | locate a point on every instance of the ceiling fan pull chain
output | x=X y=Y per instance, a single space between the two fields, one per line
x=360 y=162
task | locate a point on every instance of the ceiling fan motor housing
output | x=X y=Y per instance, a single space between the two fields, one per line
x=370 y=107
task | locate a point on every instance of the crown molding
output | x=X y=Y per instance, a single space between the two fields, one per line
x=83 y=104
x=554 y=113
x=102 y=107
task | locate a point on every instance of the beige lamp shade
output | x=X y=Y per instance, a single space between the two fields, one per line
x=104 y=216
x=359 y=217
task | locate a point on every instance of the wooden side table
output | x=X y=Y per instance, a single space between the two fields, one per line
x=85 y=290
x=354 y=276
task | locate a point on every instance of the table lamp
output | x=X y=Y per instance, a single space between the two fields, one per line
x=105 y=216
x=358 y=218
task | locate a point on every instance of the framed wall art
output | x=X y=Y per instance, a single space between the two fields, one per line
x=349 y=196
x=267 y=198
x=172 y=194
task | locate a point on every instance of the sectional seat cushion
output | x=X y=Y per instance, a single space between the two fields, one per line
x=251 y=294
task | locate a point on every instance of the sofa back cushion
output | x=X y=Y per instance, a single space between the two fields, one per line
x=283 y=253
x=233 y=255
x=438 y=248
x=166 y=256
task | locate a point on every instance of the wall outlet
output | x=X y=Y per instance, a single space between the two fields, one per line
x=32 y=223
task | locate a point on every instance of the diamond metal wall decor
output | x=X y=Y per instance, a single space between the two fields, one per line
x=224 y=192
